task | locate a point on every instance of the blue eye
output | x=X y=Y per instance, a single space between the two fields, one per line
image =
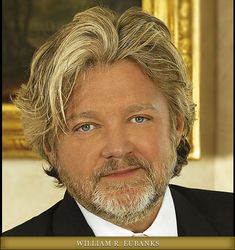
x=139 y=119
x=86 y=128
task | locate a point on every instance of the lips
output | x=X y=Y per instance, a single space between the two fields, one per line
x=121 y=172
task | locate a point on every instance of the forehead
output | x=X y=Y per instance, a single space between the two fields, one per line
x=115 y=86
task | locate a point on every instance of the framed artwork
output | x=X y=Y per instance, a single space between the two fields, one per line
x=28 y=23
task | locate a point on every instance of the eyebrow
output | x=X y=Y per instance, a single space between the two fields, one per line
x=140 y=107
x=85 y=114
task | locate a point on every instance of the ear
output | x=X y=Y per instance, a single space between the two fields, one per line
x=48 y=152
x=179 y=128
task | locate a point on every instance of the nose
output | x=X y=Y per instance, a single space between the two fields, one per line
x=117 y=144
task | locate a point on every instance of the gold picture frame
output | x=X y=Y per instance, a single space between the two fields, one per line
x=183 y=19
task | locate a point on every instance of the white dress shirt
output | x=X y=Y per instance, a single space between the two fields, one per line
x=164 y=224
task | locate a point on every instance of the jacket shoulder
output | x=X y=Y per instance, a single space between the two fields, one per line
x=203 y=194
x=215 y=206
x=40 y=225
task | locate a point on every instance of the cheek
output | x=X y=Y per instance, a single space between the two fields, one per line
x=78 y=158
x=154 y=145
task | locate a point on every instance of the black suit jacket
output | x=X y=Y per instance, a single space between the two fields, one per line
x=198 y=212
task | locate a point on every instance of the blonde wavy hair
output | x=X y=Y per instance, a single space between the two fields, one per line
x=100 y=36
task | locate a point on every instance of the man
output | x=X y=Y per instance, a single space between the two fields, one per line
x=108 y=105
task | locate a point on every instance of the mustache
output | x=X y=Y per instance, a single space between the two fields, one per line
x=127 y=161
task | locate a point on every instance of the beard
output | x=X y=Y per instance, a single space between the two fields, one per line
x=121 y=202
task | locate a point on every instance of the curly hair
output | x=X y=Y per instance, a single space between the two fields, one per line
x=100 y=36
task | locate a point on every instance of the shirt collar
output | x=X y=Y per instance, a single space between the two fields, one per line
x=164 y=224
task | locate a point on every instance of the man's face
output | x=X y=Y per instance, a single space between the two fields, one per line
x=117 y=158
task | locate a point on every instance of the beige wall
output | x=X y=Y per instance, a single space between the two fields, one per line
x=27 y=190
x=224 y=92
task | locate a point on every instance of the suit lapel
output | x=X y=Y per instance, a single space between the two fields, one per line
x=68 y=219
x=190 y=222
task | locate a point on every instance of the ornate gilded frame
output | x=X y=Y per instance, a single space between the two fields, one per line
x=183 y=19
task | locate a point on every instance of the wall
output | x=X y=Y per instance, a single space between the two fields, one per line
x=27 y=191
x=224 y=104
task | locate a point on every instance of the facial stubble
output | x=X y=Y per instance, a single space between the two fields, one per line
x=124 y=202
